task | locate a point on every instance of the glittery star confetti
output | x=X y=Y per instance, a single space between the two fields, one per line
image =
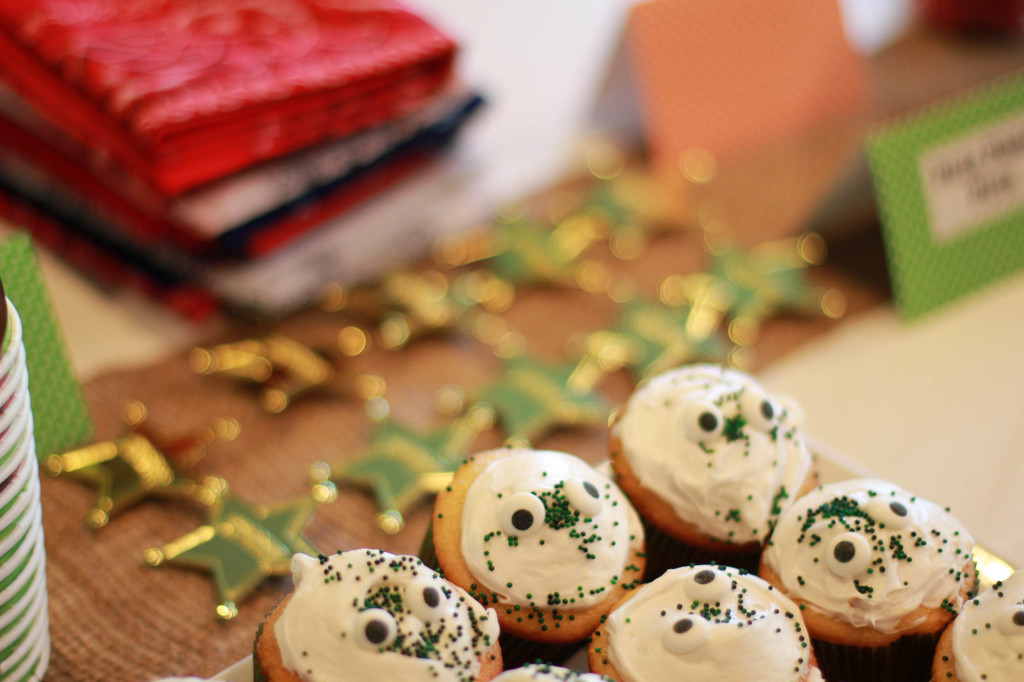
x=401 y=466
x=138 y=464
x=242 y=544
x=532 y=397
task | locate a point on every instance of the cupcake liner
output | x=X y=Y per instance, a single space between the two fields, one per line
x=257 y=671
x=908 y=659
x=428 y=553
x=517 y=652
x=665 y=552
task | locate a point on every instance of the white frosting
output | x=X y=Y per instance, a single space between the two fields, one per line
x=324 y=630
x=738 y=628
x=542 y=672
x=898 y=563
x=578 y=553
x=988 y=635
x=730 y=483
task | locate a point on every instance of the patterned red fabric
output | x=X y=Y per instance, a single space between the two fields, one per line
x=180 y=92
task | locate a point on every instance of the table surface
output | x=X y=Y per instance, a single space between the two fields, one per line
x=114 y=618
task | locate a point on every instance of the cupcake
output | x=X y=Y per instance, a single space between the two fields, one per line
x=369 y=615
x=704 y=623
x=545 y=539
x=545 y=672
x=710 y=460
x=986 y=641
x=878 y=573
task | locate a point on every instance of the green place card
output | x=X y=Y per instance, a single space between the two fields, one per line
x=949 y=183
x=59 y=410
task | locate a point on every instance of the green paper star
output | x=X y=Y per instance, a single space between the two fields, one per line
x=532 y=398
x=284 y=368
x=519 y=251
x=242 y=545
x=401 y=467
x=764 y=281
x=650 y=338
x=137 y=465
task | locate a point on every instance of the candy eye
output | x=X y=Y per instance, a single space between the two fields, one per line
x=375 y=629
x=893 y=512
x=759 y=410
x=583 y=495
x=685 y=634
x=848 y=554
x=426 y=600
x=521 y=514
x=706 y=585
x=1011 y=621
x=702 y=421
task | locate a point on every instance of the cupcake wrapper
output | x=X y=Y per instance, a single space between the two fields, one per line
x=908 y=659
x=517 y=652
x=257 y=671
x=428 y=554
x=665 y=552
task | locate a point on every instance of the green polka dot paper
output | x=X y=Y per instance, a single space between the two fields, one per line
x=59 y=410
x=949 y=184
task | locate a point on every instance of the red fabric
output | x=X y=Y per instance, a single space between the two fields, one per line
x=181 y=92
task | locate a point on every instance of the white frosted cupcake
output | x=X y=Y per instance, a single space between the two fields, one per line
x=710 y=460
x=986 y=641
x=545 y=672
x=366 y=615
x=547 y=540
x=704 y=623
x=878 y=572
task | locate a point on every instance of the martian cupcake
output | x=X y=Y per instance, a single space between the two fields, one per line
x=710 y=460
x=878 y=573
x=986 y=641
x=370 y=615
x=545 y=672
x=542 y=537
x=704 y=623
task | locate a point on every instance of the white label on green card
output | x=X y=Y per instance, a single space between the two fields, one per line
x=974 y=179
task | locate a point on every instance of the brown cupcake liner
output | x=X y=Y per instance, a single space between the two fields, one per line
x=517 y=652
x=665 y=552
x=908 y=659
x=257 y=671
x=428 y=553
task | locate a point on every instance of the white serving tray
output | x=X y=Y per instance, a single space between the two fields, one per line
x=832 y=466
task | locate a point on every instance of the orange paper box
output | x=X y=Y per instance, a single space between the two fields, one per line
x=729 y=76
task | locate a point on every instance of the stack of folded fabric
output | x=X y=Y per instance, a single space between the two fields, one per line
x=195 y=147
x=24 y=619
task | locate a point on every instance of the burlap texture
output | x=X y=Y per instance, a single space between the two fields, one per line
x=113 y=618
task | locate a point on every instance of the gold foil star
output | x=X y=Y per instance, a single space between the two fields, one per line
x=401 y=466
x=138 y=464
x=243 y=543
x=745 y=287
x=519 y=251
x=629 y=210
x=532 y=397
x=408 y=305
x=649 y=338
x=283 y=368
